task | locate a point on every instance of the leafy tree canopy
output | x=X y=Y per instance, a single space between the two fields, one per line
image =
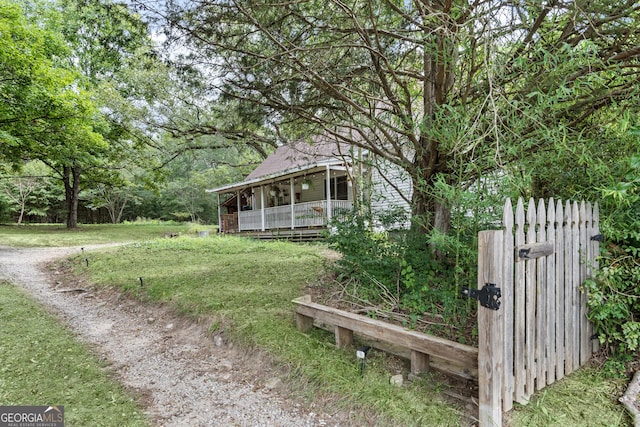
x=43 y=107
x=69 y=111
x=448 y=90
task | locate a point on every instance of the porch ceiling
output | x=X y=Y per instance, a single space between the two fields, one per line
x=334 y=164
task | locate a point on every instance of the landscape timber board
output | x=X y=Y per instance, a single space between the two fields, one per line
x=420 y=345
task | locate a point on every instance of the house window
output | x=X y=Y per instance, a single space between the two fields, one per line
x=339 y=188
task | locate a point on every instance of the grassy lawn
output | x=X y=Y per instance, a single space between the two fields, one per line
x=51 y=235
x=244 y=288
x=586 y=398
x=43 y=364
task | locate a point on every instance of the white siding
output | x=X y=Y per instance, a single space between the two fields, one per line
x=383 y=195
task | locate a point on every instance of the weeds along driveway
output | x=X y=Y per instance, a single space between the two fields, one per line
x=182 y=377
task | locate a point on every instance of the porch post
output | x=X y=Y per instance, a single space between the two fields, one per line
x=220 y=230
x=293 y=201
x=328 y=193
x=262 y=206
x=239 y=207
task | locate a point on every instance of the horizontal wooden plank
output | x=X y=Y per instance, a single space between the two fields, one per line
x=437 y=363
x=457 y=353
x=533 y=250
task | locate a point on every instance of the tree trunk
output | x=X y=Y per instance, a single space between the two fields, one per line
x=119 y=217
x=23 y=200
x=71 y=179
x=21 y=214
x=430 y=160
x=429 y=212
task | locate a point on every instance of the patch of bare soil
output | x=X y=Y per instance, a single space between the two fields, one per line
x=182 y=374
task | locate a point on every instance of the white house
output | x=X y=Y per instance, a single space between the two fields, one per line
x=299 y=188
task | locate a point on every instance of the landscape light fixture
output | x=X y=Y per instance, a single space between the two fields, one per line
x=141 y=282
x=361 y=353
x=86 y=260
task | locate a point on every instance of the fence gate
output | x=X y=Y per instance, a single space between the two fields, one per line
x=540 y=331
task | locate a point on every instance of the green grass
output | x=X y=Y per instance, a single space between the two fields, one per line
x=51 y=235
x=583 y=399
x=42 y=364
x=246 y=287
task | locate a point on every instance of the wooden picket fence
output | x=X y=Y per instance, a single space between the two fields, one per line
x=540 y=333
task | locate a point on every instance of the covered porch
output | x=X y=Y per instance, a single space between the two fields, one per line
x=305 y=200
x=297 y=215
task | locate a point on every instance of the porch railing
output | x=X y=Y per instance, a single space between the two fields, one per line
x=249 y=220
x=307 y=214
x=229 y=222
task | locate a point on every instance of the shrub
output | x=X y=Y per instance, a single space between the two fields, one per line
x=614 y=296
x=400 y=270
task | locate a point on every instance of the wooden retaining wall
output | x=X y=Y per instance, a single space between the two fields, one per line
x=461 y=359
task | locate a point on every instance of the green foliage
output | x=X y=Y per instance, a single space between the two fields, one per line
x=403 y=270
x=6 y=208
x=43 y=108
x=113 y=198
x=424 y=272
x=614 y=297
x=30 y=193
x=366 y=254
x=68 y=104
x=617 y=365
x=542 y=80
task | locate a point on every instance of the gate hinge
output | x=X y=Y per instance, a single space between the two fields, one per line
x=598 y=238
x=489 y=295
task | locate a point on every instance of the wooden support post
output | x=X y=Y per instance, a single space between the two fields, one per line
x=303 y=323
x=328 y=211
x=490 y=331
x=220 y=228
x=419 y=362
x=262 y=214
x=344 y=337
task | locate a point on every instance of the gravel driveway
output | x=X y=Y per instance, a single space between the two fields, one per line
x=184 y=377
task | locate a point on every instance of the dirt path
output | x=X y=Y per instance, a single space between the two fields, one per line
x=185 y=378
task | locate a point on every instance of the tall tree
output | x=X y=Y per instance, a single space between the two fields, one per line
x=46 y=114
x=107 y=40
x=96 y=41
x=35 y=89
x=449 y=90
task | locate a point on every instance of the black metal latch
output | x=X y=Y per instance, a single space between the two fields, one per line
x=489 y=295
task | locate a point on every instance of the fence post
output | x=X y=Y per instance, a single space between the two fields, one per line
x=490 y=331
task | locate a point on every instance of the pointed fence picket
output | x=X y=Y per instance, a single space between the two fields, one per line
x=539 y=332
x=540 y=259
